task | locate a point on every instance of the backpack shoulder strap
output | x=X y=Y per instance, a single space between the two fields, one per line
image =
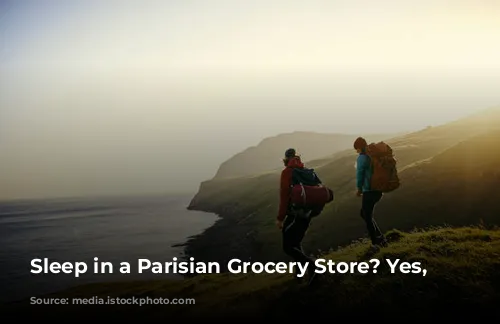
x=294 y=178
x=317 y=178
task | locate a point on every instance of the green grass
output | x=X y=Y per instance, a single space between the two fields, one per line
x=463 y=274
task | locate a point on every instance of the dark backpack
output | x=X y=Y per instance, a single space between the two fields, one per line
x=305 y=176
x=308 y=192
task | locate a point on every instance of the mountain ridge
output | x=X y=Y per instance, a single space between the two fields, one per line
x=267 y=154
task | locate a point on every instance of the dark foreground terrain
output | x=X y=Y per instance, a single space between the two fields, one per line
x=462 y=281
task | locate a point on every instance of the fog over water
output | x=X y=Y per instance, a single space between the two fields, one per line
x=125 y=97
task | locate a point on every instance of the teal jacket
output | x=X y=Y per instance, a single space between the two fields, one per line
x=364 y=172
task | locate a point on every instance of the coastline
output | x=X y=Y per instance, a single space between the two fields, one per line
x=226 y=239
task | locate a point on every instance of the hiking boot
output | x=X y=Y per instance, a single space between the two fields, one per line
x=312 y=278
x=381 y=242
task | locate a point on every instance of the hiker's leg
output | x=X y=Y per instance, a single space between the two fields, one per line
x=380 y=236
x=288 y=232
x=369 y=200
x=293 y=233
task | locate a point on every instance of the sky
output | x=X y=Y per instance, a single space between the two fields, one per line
x=151 y=96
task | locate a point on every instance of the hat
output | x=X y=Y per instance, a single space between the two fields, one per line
x=360 y=143
x=290 y=153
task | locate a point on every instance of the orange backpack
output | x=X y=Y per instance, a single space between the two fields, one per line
x=385 y=173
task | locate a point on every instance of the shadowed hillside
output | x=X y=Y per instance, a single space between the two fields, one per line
x=462 y=280
x=266 y=156
x=448 y=175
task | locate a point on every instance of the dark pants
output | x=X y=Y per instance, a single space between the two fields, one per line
x=369 y=201
x=294 y=229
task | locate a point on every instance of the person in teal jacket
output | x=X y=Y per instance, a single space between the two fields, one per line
x=370 y=197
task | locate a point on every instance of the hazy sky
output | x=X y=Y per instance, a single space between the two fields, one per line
x=125 y=96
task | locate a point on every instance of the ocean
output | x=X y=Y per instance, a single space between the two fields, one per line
x=80 y=229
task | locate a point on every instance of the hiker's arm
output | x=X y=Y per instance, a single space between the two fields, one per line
x=285 y=182
x=360 y=172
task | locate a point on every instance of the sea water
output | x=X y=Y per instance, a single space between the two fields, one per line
x=113 y=230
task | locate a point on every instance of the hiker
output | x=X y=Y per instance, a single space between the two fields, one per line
x=294 y=221
x=370 y=197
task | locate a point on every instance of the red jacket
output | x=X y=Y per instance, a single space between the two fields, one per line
x=285 y=185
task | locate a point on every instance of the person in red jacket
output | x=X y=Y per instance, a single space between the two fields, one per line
x=294 y=223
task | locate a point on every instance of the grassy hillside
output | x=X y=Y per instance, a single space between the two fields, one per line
x=463 y=278
x=266 y=156
x=449 y=175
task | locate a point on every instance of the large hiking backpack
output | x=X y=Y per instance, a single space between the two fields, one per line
x=385 y=173
x=307 y=189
